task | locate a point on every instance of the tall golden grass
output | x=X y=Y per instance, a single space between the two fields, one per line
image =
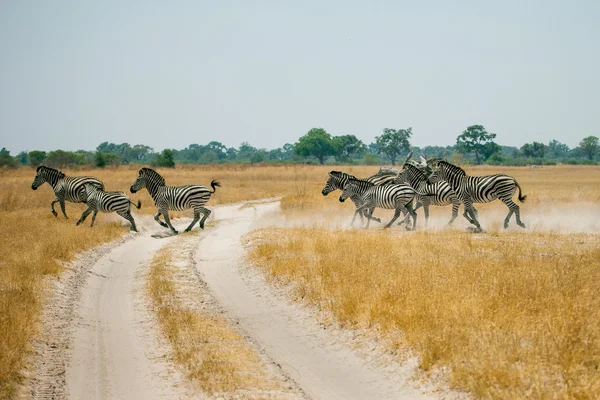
x=512 y=314
x=213 y=354
x=35 y=244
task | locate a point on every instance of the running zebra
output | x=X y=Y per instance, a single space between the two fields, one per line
x=394 y=196
x=99 y=200
x=69 y=188
x=177 y=198
x=479 y=189
x=437 y=194
x=337 y=180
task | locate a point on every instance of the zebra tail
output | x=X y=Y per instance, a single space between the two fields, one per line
x=138 y=205
x=214 y=185
x=522 y=197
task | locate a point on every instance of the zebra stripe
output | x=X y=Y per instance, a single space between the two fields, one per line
x=393 y=196
x=66 y=188
x=177 y=198
x=480 y=189
x=99 y=200
x=437 y=194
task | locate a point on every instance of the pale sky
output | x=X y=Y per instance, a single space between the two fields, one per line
x=167 y=74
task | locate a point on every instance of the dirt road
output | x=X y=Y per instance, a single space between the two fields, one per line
x=110 y=347
x=312 y=356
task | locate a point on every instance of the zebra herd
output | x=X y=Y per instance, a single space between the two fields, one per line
x=431 y=182
x=90 y=190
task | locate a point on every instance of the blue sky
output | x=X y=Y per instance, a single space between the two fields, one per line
x=167 y=74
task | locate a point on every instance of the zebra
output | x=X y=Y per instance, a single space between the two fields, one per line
x=392 y=196
x=437 y=194
x=479 y=189
x=99 y=200
x=338 y=180
x=69 y=188
x=176 y=198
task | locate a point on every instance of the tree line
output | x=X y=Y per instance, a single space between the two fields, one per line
x=475 y=145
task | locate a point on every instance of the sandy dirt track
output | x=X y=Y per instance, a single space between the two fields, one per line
x=318 y=361
x=113 y=349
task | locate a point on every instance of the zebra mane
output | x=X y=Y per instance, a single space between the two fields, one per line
x=416 y=170
x=58 y=173
x=362 y=181
x=339 y=174
x=452 y=167
x=153 y=175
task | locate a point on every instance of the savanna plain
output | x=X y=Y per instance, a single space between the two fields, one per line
x=501 y=314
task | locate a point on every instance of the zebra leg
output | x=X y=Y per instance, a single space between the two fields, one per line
x=94 y=218
x=396 y=215
x=207 y=212
x=159 y=221
x=414 y=215
x=372 y=217
x=62 y=208
x=196 y=218
x=518 y=216
x=455 y=206
x=514 y=208
x=168 y=221
x=127 y=215
x=52 y=206
x=473 y=213
x=84 y=216
x=426 y=211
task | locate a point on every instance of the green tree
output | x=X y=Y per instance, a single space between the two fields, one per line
x=258 y=157
x=140 y=152
x=316 y=143
x=36 y=158
x=245 y=151
x=6 y=160
x=589 y=146
x=478 y=141
x=165 y=159
x=22 y=158
x=535 y=150
x=393 y=142
x=557 y=149
x=103 y=159
x=61 y=159
x=347 y=146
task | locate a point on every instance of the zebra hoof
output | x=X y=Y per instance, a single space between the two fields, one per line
x=55 y=213
x=175 y=232
x=522 y=225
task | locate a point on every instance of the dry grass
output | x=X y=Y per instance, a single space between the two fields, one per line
x=213 y=354
x=36 y=243
x=512 y=314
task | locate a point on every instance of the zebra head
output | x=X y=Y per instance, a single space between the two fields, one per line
x=46 y=174
x=337 y=180
x=349 y=189
x=90 y=189
x=444 y=171
x=147 y=178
